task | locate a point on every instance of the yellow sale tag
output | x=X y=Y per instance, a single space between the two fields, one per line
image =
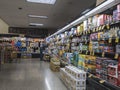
x=86 y=32
x=103 y=54
x=103 y=27
x=108 y=26
x=93 y=53
x=93 y=29
x=85 y=41
x=90 y=53
x=102 y=81
x=86 y=52
x=99 y=28
x=117 y=39
x=110 y=40
x=90 y=76
x=116 y=56
x=89 y=31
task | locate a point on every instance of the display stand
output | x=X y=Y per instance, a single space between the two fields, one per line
x=95 y=38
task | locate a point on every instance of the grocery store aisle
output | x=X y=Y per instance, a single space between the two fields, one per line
x=29 y=75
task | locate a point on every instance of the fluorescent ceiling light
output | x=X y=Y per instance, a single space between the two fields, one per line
x=36 y=16
x=43 y=1
x=36 y=24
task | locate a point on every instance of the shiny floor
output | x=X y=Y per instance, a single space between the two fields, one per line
x=29 y=75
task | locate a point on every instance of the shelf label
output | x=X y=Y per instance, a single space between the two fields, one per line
x=80 y=51
x=90 y=76
x=103 y=54
x=100 y=28
x=89 y=31
x=97 y=29
x=116 y=56
x=85 y=41
x=86 y=32
x=93 y=29
x=117 y=39
x=110 y=40
x=98 y=39
x=102 y=81
x=108 y=26
x=103 y=27
x=86 y=52
x=93 y=53
x=90 y=53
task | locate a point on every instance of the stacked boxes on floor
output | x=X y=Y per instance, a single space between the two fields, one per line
x=55 y=64
x=73 y=78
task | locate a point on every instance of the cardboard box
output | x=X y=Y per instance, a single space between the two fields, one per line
x=78 y=83
x=78 y=88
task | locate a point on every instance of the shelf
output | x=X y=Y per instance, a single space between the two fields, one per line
x=112 y=76
x=102 y=82
x=112 y=66
x=89 y=31
x=106 y=54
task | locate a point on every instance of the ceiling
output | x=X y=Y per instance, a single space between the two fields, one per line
x=59 y=15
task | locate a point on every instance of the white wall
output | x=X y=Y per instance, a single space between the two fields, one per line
x=3 y=27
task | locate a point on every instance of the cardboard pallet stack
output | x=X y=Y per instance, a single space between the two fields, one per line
x=73 y=78
x=55 y=65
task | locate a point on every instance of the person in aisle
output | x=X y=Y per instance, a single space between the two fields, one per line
x=41 y=51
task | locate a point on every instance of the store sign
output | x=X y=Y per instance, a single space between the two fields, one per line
x=37 y=32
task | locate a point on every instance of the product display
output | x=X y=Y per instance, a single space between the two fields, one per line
x=55 y=64
x=94 y=44
x=74 y=78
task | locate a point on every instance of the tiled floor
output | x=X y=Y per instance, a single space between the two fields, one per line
x=29 y=75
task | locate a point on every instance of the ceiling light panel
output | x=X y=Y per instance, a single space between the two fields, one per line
x=36 y=24
x=43 y=1
x=36 y=16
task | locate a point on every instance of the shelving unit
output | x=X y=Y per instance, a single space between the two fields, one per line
x=95 y=35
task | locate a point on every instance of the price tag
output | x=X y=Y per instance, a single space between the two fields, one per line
x=93 y=53
x=98 y=39
x=110 y=40
x=117 y=39
x=80 y=51
x=102 y=81
x=103 y=54
x=90 y=76
x=90 y=53
x=94 y=30
x=85 y=41
x=116 y=56
x=108 y=26
x=99 y=28
x=89 y=31
x=103 y=27
x=86 y=52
